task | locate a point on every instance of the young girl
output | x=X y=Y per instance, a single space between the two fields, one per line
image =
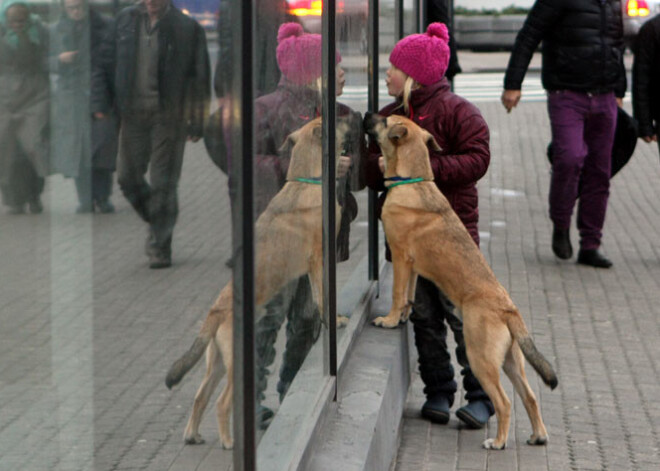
x=422 y=93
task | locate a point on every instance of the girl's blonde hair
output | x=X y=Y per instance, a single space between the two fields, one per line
x=408 y=86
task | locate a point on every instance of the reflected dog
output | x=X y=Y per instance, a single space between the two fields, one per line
x=427 y=238
x=288 y=245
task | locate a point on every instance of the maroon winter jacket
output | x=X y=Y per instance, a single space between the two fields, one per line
x=461 y=132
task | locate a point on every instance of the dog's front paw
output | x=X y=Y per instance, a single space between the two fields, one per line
x=534 y=440
x=389 y=322
x=342 y=321
x=227 y=443
x=194 y=439
x=491 y=445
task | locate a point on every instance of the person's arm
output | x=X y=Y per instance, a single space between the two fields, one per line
x=103 y=73
x=646 y=53
x=470 y=156
x=542 y=18
x=199 y=92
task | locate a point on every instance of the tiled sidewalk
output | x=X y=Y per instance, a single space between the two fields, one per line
x=600 y=328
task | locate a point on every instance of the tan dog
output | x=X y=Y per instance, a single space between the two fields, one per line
x=427 y=238
x=288 y=246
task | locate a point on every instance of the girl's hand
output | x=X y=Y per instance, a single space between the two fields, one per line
x=68 y=57
x=381 y=164
x=343 y=164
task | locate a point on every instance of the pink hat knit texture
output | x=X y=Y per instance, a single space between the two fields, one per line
x=299 y=54
x=424 y=57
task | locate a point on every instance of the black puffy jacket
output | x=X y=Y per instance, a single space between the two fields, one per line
x=646 y=77
x=582 y=46
x=184 y=77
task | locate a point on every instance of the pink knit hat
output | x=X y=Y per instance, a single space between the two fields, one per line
x=424 y=57
x=299 y=54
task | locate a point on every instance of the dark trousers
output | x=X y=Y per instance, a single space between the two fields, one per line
x=93 y=184
x=295 y=304
x=152 y=141
x=431 y=314
x=583 y=127
x=22 y=184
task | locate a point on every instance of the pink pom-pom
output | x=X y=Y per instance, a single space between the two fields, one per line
x=288 y=30
x=438 y=30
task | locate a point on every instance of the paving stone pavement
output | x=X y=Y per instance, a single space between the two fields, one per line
x=88 y=331
x=599 y=328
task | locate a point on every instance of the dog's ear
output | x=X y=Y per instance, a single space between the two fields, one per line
x=432 y=143
x=397 y=132
x=318 y=132
x=289 y=142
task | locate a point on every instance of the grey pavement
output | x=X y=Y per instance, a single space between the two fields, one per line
x=88 y=331
x=600 y=328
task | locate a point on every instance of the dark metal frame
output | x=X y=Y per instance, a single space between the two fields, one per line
x=245 y=455
x=328 y=113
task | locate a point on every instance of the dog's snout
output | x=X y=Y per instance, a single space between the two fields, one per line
x=371 y=120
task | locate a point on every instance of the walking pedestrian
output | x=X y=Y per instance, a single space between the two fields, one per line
x=24 y=107
x=83 y=146
x=646 y=80
x=416 y=79
x=155 y=66
x=584 y=76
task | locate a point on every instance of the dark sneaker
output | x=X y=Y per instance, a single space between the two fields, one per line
x=436 y=409
x=475 y=414
x=105 y=206
x=593 y=258
x=159 y=260
x=85 y=209
x=264 y=417
x=35 y=206
x=561 y=243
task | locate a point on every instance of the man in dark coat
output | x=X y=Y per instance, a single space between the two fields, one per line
x=646 y=80
x=155 y=65
x=82 y=147
x=585 y=78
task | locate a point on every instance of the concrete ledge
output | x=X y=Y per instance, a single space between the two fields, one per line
x=361 y=429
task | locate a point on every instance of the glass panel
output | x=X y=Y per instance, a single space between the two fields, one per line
x=289 y=257
x=90 y=325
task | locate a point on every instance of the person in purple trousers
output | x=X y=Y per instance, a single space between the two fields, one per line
x=584 y=76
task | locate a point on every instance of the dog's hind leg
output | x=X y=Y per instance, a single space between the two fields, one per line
x=224 y=339
x=514 y=367
x=486 y=349
x=402 y=273
x=211 y=379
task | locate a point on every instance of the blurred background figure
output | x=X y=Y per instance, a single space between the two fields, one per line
x=84 y=145
x=646 y=80
x=155 y=67
x=24 y=107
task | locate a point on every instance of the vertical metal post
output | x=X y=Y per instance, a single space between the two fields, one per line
x=450 y=11
x=373 y=34
x=328 y=113
x=398 y=19
x=422 y=10
x=243 y=237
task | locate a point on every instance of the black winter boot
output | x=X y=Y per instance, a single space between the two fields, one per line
x=561 y=243
x=436 y=409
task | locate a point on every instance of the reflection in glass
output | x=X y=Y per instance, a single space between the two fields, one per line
x=84 y=140
x=24 y=102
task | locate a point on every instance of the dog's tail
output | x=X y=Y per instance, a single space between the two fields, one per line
x=535 y=358
x=218 y=314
